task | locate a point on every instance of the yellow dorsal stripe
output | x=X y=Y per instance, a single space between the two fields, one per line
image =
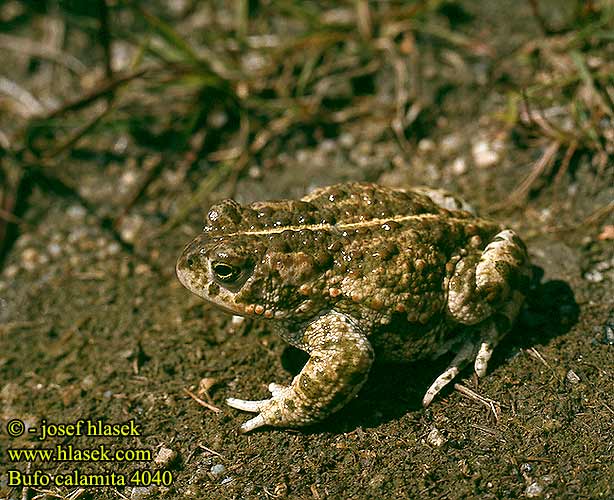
x=399 y=219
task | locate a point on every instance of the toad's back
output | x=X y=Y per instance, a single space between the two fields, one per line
x=392 y=248
x=363 y=249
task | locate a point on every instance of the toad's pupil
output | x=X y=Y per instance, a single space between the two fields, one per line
x=190 y=261
x=223 y=271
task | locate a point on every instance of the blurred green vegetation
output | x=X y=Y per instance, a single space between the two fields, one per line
x=226 y=81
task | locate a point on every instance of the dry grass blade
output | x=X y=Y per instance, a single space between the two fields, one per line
x=199 y=197
x=27 y=105
x=153 y=171
x=538 y=17
x=104 y=35
x=201 y=402
x=242 y=18
x=519 y=194
x=589 y=81
x=35 y=49
x=365 y=22
x=11 y=179
x=102 y=90
x=78 y=135
x=170 y=36
x=491 y=404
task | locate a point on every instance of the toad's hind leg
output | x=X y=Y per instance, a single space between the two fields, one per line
x=485 y=293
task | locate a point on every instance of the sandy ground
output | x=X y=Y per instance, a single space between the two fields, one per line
x=92 y=329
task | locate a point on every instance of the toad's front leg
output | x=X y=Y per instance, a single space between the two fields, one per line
x=339 y=360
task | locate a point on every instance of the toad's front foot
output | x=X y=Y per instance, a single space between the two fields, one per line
x=269 y=410
x=339 y=362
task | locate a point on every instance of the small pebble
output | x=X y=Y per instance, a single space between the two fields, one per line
x=128 y=178
x=483 y=154
x=459 y=166
x=534 y=490
x=218 y=470
x=328 y=145
x=217 y=119
x=76 y=212
x=436 y=438
x=113 y=248
x=142 y=269
x=302 y=156
x=573 y=377
x=88 y=382
x=11 y=271
x=140 y=492
x=254 y=172
x=450 y=144
x=164 y=457
x=130 y=228
x=594 y=276
x=347 y=140
x=237 y=320
x=426 y=145
x=30 y=258
x=54 y=249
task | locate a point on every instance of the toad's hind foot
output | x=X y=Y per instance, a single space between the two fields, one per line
x=480 y=350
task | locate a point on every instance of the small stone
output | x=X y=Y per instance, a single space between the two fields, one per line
x=593 y=276
x=164 y=457
x=436 y=438
x=484 y=154
x=328 y=145
x=459 y=166
x=11 y=271
x=141 y=269
x=347 y=140
x=113 y=248
x=88 y=382
x=76 y=212
x=128 y=178
x=573 y=377
x=302 y=156
x=426 y=145
x=130 y=228
x=534 y=490
x=140 y=492
x=30 y=258
x=217 y=119
x=54 y=249
x=218 y=470
x=254 y=172
x=450 y=144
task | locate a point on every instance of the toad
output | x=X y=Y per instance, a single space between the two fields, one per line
x=354 y=272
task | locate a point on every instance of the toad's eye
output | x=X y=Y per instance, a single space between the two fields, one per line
x=225 y=272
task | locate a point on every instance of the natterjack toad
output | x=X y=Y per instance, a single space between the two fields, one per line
x=353 y=272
